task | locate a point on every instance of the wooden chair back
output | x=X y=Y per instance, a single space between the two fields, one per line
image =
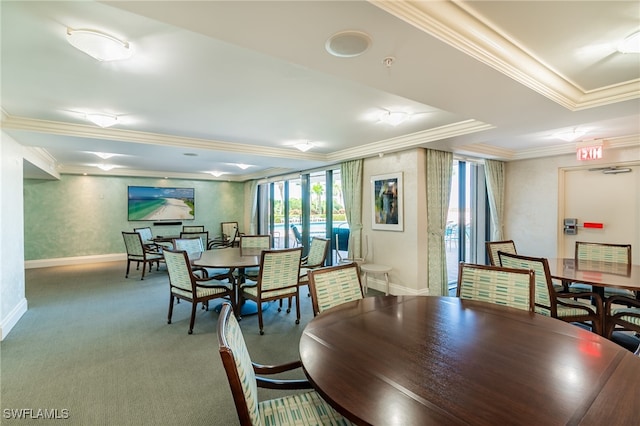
x=204 y=237
x=603 y=252
x=495 y=284
x=333 y=285
x=318 y=250
x=255 y=241
x=193 y=228
x=493 y=247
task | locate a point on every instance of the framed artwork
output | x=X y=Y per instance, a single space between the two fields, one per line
x=386 y=197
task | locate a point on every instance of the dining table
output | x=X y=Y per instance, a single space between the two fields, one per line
x=432 y=360
x=232 y=258
x=597 y=274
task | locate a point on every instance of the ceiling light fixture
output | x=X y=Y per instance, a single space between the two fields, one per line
x=99 y=45
x=570 y=135
x=304 y=146
x=393 y=118
x=102 y=120
x=630 y=44
x=104 y=155
x=243 y=166
x=216 y=174
x=348 y=44
x=105 y=167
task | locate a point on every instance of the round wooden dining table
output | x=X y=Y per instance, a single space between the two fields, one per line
x=420 y=360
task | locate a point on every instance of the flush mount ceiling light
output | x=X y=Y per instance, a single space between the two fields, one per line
x=99 y=45
x=393 y=118
x=570 y=135
x=348 y=44
x=304 y=146
x=105 y=167
x=216 y=174
x=243 y=166
x=630 y=44
x=102 y=120
x=104 y=155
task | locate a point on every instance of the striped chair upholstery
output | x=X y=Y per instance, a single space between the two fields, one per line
x=306 y=408
x=548 y=301
x=193 y=228
x=136 y=252
x=183 y=284
x=334 y=285
x=502 y=286
x=617 y=254
x=622 y=313
x=193 y=247
x=230 y=233
x=277 y=280
x=254 y=242
x=203 y=235
x=318 y=251
x=493 y=247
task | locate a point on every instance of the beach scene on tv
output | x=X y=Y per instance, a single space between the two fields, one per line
x=149 y=203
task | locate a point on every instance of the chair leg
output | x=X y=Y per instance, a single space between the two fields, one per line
x=144 y=267
x=260 y=324
x=126 y=274
x=297 y=307
x=192 y=321
x=170 y=309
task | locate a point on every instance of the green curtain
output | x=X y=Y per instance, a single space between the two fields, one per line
x=351 y=176
x=494 y=172
x=439 y=168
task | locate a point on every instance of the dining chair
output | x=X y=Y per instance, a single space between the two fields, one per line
x=493 y=247
x=495 y=284
x=621 y=313
x=296 y=235
x=193 y=247
x=254 y=242
x=147 y=239
x=300 y=408
x=277 y=279
x=230 y=233
x=333 y=285
x=318 y=251
x=184 y=285
x=193 y=228
x=549 y=301
x=602 y=252
x=358 y=260
x=136 y=252
x=203 y=235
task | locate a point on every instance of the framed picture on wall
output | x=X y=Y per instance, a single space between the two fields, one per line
x=386 y=205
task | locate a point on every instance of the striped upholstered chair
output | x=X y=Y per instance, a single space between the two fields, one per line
x=502 y=286
x=616 y=254
x=193 y=247
x=254 y=242
x=137 y=252
x=549 y=302
x=622 y=313
x=493 y=247
x=183 y=284
x=334 y=285
x=301 y=408
x=277 y=280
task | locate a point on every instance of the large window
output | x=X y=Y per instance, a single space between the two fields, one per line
x=295 y=209
x=467 y=226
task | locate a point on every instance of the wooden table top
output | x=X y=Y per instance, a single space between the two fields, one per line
x=230 y=257
x=417 y=360
x=600 y=274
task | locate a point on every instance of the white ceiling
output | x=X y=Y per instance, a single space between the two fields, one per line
x=241 y=81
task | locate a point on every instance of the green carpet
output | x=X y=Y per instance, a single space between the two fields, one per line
x=96 y=347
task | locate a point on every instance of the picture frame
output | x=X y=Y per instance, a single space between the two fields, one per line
x=387 y=202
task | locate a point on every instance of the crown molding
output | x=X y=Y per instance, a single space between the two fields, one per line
x=451 y=23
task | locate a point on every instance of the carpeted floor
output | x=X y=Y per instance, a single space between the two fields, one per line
x=98 y=347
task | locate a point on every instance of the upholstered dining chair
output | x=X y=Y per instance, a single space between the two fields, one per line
x=550 y=302
x=333 y=285
x=147 y=240
x=203 y=235
x=277 y=280
x=602 y=252
x=493 y=247
x=621 y=313
x=300 y=408
x=136 y=252
x=318 y=251
x=230 y=233
x=193 y=247
x=495 y=284
x=193 y=228
x=184 y=285
x=262 y=242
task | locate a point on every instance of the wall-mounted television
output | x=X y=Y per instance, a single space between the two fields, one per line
x=153 y=203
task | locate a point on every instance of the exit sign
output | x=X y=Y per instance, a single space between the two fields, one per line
x=586 y=153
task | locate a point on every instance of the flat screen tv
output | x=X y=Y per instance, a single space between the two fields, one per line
x=153 y=203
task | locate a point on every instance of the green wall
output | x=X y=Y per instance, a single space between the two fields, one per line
x=85 y=215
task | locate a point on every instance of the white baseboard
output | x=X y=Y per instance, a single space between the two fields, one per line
x=12 y=319
x=75 y=260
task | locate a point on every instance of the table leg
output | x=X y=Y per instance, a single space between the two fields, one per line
x=386 y=278
x=366 y=284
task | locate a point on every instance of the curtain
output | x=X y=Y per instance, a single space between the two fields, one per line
x=494 y=172
x=351 y=175
x=251 y=188
x=439 y=168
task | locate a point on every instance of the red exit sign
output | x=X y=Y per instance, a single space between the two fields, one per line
x=586 y=153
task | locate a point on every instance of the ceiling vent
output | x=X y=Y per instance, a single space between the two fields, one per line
x=348 y=44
